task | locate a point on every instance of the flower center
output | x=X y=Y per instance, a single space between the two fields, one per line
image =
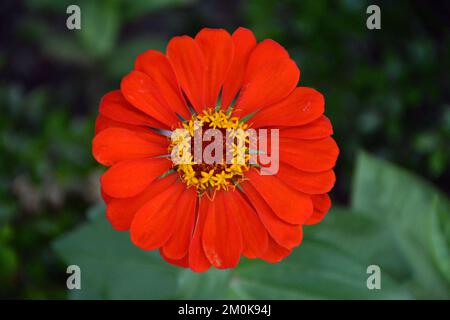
x=210 y=151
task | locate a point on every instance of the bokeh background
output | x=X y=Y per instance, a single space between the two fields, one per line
x=388 y=96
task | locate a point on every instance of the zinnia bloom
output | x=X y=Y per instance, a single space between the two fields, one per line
x=200 y=215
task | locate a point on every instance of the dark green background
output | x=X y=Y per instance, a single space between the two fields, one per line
x=387 y=92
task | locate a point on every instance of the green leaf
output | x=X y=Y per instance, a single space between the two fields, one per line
x=440 y=237
x=213 y=284
x=316 y=270
x=112 y=267
x=363 y=237
x=331 y=263
x=413 y=212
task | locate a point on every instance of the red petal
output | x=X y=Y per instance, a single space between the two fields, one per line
x=120 y=212
x=183 y=262
x=222 y=238
x=218 y=50
x=290 y=205
x=153 y=224
x=107 y=199
x=127 y=178
x=102 y=123
x=198 y=261
x=254 y=235
x=285 y=234
x=190 y=68
x=272 y=83
x=114 y=106
x=156 y=65
x=178 y=244
x=322 y=203
x=302 y=106
x=265 y=52
x=142 y=92
x=317 y=129
x=116 y=144
x=244 y=42
x=275 y=253
x=307 y=182
x=309 y=155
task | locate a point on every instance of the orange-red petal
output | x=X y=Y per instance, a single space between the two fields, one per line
x=114 y=106
x=178 y=245
x=289 y=205
x=156 y=65
x=127 y=178
x=264 y=52
x=322 y=204
x=107 y=199
x=152 y=225
x=189 y=64
x=302 y=106
x=116 y=144
x=317 y=129
x=120 y=212
x=222 y=238
x=254 y=235
x=275 y=253
x=307 y=182
x=102 y=123
x=183 y=262
x=244 y=41
x=198 y=261
x=218 y=51
x=273 y=82
x=309 y=155
x=142 y=92
x=285 y=234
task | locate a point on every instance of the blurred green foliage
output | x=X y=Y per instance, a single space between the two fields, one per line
x=387 y=91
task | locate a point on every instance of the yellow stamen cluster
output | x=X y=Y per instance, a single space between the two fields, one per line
x=216 y=176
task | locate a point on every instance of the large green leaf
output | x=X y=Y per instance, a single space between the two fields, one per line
x=331 y=263
x=111 y=267
x=316 y=270
x=213 y=284
x=416 y=215
x=363 y=237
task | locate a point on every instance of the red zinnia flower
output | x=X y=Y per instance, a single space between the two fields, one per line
x=200 y=214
